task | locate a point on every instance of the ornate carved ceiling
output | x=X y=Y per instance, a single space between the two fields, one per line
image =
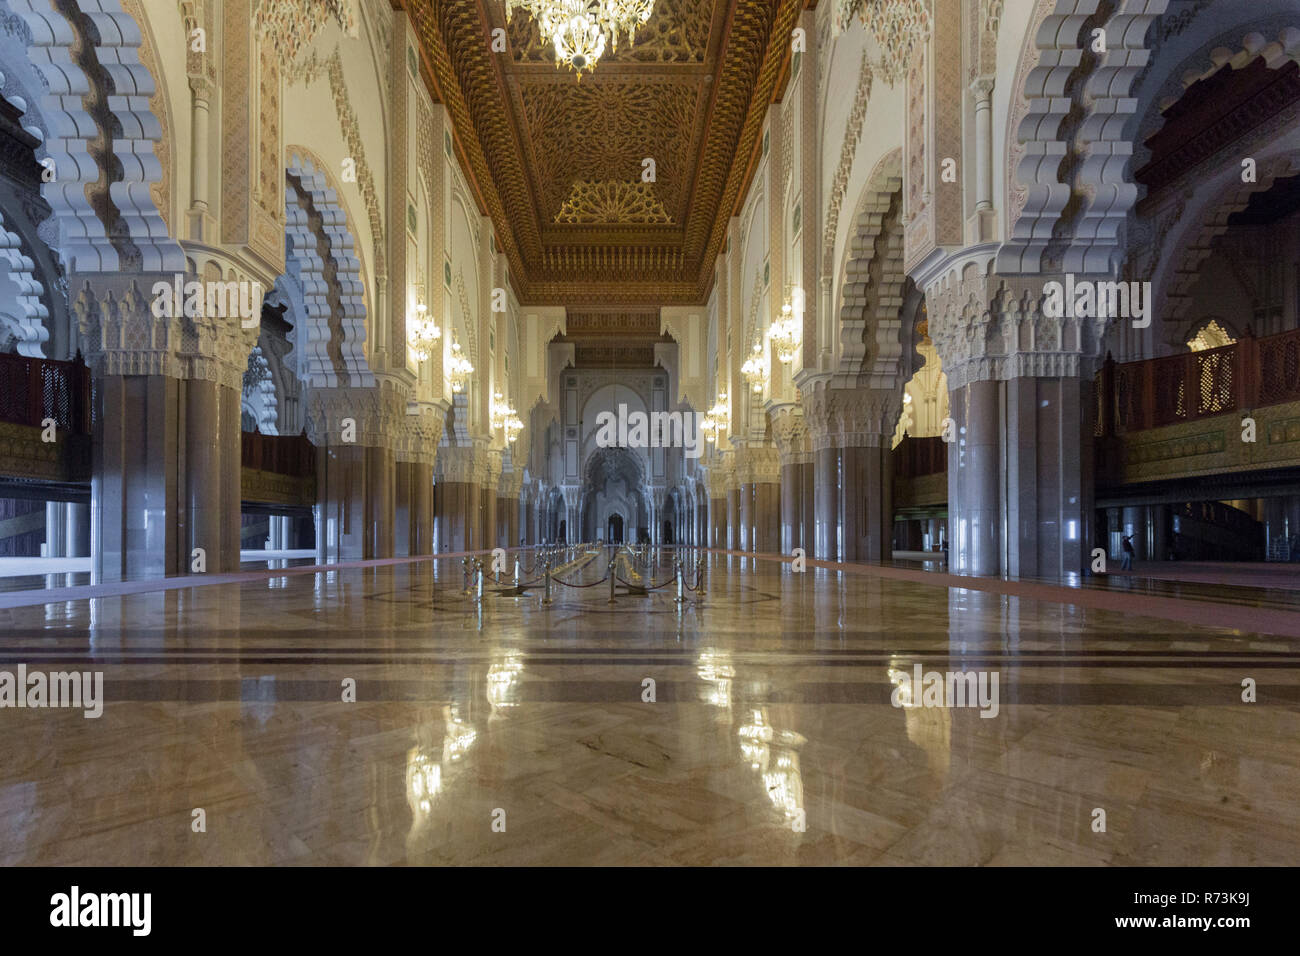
x=613 y=339
x=558 y=164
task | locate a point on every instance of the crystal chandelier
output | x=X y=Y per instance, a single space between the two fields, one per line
x=784 y=332
x=626 y=16
x=460 y=370
x=580 y=29
x=717 y=420
x=503 y=417
x=422 y=332
x=754 y=369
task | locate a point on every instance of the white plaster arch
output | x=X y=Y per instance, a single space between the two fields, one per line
x=873 y=279
x=318 y=367
x=27 y=315
x=139 y=241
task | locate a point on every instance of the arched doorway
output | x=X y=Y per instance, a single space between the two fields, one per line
x=614 y=532
x=667 y=536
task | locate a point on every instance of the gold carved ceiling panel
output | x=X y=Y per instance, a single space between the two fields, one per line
x=602 y=132
x=557 y=164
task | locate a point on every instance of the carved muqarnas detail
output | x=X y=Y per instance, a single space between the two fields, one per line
x=612 y=201
x=291 y=25
x=900 y=28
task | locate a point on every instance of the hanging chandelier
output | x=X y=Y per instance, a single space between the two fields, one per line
x=784 y=332
x=580 y=29
x=717 y=420
x=422 y=333
x=504 y=417
x=460 y=370
x=754 y=369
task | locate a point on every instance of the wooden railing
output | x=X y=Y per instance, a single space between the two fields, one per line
x=291 y=455
x=35 y=389
x=1252 y=373
x=915 y=457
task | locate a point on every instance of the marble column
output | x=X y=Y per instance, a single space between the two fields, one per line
x=511 y=508
x=1049 y=490
x=402 y=482
x=413 y=511
x=808 y=501
x=379 y=497
x=459 y=515
x=767 y=517
x=791 y=507
x=974 y=489
x=135 y=491
x=746 y=525
x=718 y=522
x=733 y=519
x=341 y=503
x=1134 y=524
x=826 y=481
x=866 y=503
x=1158 y=519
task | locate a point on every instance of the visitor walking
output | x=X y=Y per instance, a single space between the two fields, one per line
x=1127 y=542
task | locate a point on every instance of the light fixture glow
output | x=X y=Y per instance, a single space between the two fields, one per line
x=460 y=370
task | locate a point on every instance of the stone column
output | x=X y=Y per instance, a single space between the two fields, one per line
x=791 y=501
x=826 y=492
x=355 y=431
x=974 y=492
x=1158 y=521
x=758 y=467
x=403 y=480
x=165 y=447
x=1020 y=474
x=734 y=535
x=745 y=495
x=866 y=505
x=796 y=497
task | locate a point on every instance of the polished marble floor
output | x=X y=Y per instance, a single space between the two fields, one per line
x=512 y=733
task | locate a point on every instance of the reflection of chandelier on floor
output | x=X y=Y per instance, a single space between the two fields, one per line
x=578 y=29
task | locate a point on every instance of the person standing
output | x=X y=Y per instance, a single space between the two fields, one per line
x=1127 y=542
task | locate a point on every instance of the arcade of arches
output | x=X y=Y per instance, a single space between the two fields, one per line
x=950 y=302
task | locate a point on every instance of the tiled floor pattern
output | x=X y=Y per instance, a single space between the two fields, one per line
x=773 y=704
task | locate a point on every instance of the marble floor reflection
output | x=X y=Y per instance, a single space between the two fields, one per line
x=516 y=734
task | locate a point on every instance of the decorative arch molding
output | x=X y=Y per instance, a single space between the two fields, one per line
x=322 y=244
x=872 y=298
x=1067 y=145
x=162 y=191
x=1254 y=45
x=1198 y=222
x=1193 y=47
x=258 y=394
x=844 y=168
x=101 y=136
x=18 y=283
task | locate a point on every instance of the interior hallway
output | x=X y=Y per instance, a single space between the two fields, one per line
x=773 y=695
